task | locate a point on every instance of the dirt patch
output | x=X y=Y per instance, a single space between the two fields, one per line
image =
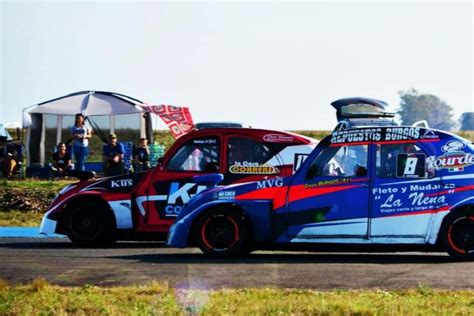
x=25 y=199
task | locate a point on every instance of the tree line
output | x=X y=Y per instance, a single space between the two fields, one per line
x=415 y=106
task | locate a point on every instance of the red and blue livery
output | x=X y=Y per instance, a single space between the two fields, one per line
x=144 y=205
x=370 y=184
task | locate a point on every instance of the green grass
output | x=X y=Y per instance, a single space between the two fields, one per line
x=39 y=297
x=35 y=184
x=20 y=219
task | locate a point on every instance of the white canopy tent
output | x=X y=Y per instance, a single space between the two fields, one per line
x=48 y=123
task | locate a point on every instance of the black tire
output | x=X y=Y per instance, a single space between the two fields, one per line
x=457 y=234
x=222 y=233
x=88 y=225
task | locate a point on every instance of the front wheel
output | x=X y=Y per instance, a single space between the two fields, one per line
x=458 y=235
x=222 y=233
x=89 y=225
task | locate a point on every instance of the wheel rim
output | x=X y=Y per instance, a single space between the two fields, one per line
x=220 y=233
x=461 y=235
x=85 y=224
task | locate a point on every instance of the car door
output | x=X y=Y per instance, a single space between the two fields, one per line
x=173 y=186
x=404 y=192
x=330 y=198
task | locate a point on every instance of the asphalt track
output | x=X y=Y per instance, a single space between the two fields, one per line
x=55 y=259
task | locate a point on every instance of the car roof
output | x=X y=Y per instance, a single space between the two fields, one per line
x=269 y=136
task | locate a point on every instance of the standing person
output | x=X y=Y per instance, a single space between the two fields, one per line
x=80 y=135
x=61 y=164
x=112 y=155
x=141 y=156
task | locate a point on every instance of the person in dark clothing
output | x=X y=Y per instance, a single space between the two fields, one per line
x=61 y=164
x=112 y=155
x=141 y=156
x=11 y=159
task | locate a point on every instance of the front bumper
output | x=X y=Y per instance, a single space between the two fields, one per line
x=176 y=238
x=48 y=226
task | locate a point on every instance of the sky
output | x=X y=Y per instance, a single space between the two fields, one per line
x=268 y=64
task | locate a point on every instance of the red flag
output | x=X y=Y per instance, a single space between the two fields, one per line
x=178 y=119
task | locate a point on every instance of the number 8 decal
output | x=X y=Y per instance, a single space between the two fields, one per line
x=410 y=165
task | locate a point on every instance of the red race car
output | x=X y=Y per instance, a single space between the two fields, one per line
x=142 y=206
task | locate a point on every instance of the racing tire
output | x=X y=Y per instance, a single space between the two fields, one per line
x=457 y=234
x=222 y=233
x=88 y=225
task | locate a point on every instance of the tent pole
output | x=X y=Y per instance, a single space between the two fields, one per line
x=142 y=125
x=42 y=147
x=27 y=145
x=112 y=124
x=59 y=124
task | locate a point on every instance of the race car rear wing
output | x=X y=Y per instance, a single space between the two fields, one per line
x=359 y=112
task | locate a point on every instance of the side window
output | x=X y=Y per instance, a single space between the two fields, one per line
x=246 y=155
x=345 y=161
x=402 y=161
x=199 y=154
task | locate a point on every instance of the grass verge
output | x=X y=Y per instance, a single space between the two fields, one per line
x=53 y=186
x=39 y=297
x=20 y=219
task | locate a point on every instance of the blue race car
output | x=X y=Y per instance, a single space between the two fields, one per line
x=370 y=183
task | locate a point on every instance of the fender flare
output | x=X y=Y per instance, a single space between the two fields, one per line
x=258 y=214
x=61 y=213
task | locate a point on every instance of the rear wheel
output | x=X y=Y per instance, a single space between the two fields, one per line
x=89 y=225
x=458 y=234
x=222 y=233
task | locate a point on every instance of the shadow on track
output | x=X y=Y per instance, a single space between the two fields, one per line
x=287 y=258
x=160 y=254
x=43 y=243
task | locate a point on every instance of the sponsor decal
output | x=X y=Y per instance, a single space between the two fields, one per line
x=298 y=161
x=327 y=183
x=121 y=183
x=429 y=134
x=402 y=133
x=169 y=205
x=454 y=158
x=453 y=146
x=246 y=167
x=386 y=134
x=124 y=184
x=225 y=195
x=204 y=141
x=270 y=183
x=278 y=138
x=360 y=135
x=416 y=197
